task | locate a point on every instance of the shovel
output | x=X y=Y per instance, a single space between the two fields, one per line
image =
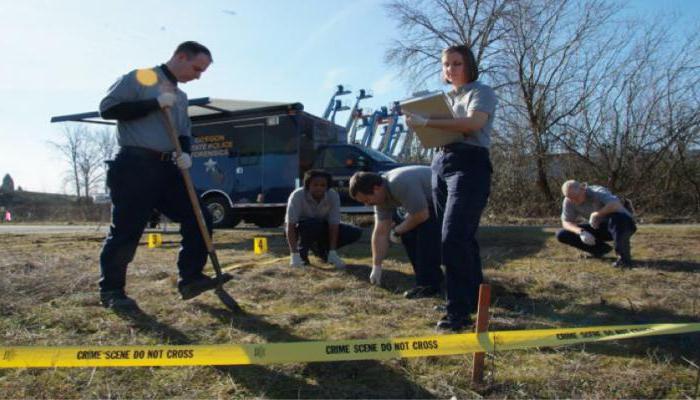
x=220 y=292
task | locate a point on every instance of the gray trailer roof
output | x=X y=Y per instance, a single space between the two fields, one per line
x=199 y=107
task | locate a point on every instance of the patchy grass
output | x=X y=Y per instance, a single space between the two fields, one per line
x=48 y=297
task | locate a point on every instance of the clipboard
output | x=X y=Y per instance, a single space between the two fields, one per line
x=432 y=105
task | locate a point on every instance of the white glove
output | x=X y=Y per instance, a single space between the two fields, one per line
x=587 y=238
x=295 y=260
x=335 y=260
x=166 y=99
x=595 y=219
x=182 y=162
x=394 y=237
x=375 y=277
x=416 y=120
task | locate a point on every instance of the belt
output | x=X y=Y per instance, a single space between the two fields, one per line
x=453 y=147
x=141 y=152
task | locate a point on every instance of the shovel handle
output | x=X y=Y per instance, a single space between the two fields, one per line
x=191 y=192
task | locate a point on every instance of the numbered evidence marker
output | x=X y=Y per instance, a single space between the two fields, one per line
x=154 y=240
x=260 y=245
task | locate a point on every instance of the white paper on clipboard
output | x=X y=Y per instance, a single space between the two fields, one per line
x=433 y=105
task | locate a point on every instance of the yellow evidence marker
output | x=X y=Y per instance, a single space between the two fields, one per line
x=260 y=245
x=154 y=240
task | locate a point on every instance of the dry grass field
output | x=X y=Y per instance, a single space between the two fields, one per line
x=48 y=297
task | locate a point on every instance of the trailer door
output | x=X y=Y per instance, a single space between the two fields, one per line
x=248 y=151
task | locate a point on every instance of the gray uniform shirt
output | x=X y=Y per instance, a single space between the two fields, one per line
x=596 y=198
x=475 y=96
x=301 y=206
x=150 y=131
x=407 y=187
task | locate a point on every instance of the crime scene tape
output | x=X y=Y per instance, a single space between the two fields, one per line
x=322 y=351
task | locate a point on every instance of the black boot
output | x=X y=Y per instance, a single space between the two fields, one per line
x=624 y=253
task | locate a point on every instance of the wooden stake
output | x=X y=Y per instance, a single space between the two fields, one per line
x=482 y=325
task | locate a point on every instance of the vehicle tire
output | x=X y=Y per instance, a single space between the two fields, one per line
x=222 y=214
x=273 y=220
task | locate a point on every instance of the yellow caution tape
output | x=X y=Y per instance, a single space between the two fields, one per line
x=322 y=351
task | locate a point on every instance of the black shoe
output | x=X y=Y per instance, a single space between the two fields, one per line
x=601 y=253
x=117 y=300
x=623 y=263
x=200 y=285
x=304 y=254
x=420 y=292
x=453 y=323
x=443 y=309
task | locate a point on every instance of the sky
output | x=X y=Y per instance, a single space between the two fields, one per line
x=61 y=56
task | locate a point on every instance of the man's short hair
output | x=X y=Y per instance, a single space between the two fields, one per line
x=571 y=184
x=192 y=49
x=364 y=182
x=317 y=173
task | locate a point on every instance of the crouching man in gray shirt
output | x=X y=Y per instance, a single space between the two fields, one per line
x=407 y=187
x=313 y=221
x=606 y=219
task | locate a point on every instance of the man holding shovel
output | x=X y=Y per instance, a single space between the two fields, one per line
x=144 y=175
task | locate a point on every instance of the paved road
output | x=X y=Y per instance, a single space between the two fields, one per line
x=21 y=229
x=48 y=229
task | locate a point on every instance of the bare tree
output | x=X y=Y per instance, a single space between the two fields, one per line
x=85 y=152
x=429 y=26
x=638 y=131
x=582 y=93
x=555 y=52
x=69 y=148
x=89 y=164
x=106 y=145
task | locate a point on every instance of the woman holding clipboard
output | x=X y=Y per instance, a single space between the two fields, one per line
x=461 y=181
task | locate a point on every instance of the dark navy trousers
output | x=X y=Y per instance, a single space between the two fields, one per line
x=461 y=182
x=422 y=245
x=619 y=227
x=138 y=185
x=313 y=235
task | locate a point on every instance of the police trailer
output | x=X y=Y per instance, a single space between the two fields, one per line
x=248 y=156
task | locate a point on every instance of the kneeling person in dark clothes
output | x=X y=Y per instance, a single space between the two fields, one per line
x=407 y=187
x=313 y=222
x=144 y=174
x=606 y=219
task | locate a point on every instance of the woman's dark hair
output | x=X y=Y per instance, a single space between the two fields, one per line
x=317 y=173
x=471 y=70
x=364 y=182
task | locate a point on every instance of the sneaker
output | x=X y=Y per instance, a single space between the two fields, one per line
x=117 y=300
x=453 y=323
x=622 y=263
x=600 y=254
x=603 y=250
x=200 y=285
x=420 y=292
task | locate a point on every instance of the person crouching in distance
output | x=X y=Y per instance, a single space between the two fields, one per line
x=312 y=221
x=606 y=219
x=407 y=187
